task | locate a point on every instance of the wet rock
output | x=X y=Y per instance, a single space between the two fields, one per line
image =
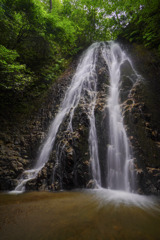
x=91 y=184
x=142 y=120
x=19 y=142
x=69 y=165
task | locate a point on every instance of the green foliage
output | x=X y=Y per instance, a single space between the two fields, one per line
x=89 y=18
x=12 y=72
x=7 y=56
x=138 y=21
x=32 y=40
x=37 y=42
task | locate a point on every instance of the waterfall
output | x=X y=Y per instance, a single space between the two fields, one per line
x=119 y=157
x=83 y=90
x=83 y=87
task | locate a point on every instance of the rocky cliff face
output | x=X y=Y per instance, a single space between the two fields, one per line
x=20 y=142
x=142 y=118
x=73 y=168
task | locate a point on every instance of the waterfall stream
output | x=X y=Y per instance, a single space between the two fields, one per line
x=83 y=88
x=119 y=157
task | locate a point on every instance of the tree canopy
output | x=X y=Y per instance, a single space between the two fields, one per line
x=39 y=37
x=138 y=21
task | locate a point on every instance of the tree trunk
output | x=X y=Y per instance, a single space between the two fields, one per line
x=50 y=5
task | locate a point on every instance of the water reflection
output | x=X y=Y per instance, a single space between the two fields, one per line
x=82 y=215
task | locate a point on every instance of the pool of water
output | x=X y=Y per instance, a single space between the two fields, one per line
x=79 y=215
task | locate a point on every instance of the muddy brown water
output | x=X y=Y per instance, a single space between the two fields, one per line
x=79 y=215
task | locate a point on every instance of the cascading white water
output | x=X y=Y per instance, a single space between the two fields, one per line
x=83 y=87
x=119 y=156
